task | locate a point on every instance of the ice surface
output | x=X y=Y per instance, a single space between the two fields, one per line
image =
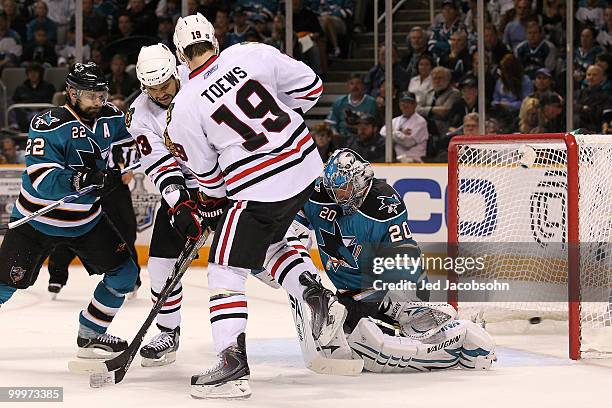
x=38 y=338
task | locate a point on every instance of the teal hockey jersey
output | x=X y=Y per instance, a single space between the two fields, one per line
x=348 y=244
x=58 y=144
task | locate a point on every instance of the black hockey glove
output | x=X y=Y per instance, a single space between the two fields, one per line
x=104 y=180
x=186 y=219
x=211 y=209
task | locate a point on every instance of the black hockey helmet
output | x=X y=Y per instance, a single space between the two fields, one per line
x=87 y=77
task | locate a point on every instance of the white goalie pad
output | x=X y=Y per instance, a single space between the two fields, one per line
x=459 y=343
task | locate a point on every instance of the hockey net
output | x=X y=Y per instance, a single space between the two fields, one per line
x=537 y=209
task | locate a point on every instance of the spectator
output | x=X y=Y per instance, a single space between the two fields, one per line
x=65 y=53
x=10 y=152
x=222 y=19
x=552 y=21
x=223 y=37
x=543 y=83
x=95 y=26
x=606 y=128
x=119 y=82
x=470 y=124
x=376 y=75
x=238 y=34
x=584 y=56
x=41 y=20
x=10 y=44
x=604 y=60
x=439 y=44
x=410 y=132
x=536 y=52
x=16 y=21
x=40 y=50
x=119 y=102
x=420 y=84
x=368 y=143
x=60 y=12
x=550 y=110
x=143 y=20
x=356 y=101
x=491 y=127
x=528 y=115
x=309 y=31
x=514 y=33
x=590 y=14
x=380 y=103
x=458 y=60
x=333 y=16
x=604 y=38
x=467 y=104
x=495 y=48
x=173 y=10
x=443 y=99
x=125 y=28
x=323 y=137
x=208 y=8
x=33 y=90
x=277 y=37
x=165 y=31
x=510 y=90
x=491 y=74
x=258 y=23
x=591 y=101
x=98 y=58
x=417 y=46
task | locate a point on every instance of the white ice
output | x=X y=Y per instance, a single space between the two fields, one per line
x=38 y=338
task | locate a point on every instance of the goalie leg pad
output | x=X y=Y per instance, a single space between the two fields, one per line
x=458 y=343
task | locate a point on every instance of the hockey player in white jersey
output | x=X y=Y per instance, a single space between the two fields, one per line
x=146 y=121
x=357 y=218
x=239 y=119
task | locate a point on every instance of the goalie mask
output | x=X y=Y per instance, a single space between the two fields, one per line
x=347 y=178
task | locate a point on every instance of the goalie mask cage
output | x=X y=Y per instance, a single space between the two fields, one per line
x=538 y=208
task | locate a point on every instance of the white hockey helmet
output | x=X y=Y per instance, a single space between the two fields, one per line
x=156 y=64
x=194 y=29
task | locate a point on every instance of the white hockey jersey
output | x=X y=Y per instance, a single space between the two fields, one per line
x=146 y=122
x=239 y=116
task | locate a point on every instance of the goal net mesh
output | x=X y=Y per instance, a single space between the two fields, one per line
x=512 y=208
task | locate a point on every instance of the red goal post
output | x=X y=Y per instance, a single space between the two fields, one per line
x=513 y=167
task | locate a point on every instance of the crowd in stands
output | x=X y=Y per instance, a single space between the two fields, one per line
x=524 y=78
x=435 y=86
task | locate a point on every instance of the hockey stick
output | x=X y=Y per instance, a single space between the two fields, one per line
x=112 y=371
x=69 y=198
x=316 y=355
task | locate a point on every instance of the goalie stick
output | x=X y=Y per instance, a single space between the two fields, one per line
x=313 y=352
x=112 y=371
x=67 y=199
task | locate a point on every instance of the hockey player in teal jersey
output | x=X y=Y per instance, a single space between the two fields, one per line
x=66 y=151
x=357 y=218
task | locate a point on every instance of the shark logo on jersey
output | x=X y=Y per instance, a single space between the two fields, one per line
x=341 y=250
x=91 y=159
x=128 y=117
x=45 y=119
x=390 y=203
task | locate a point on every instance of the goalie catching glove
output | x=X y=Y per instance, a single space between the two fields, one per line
x=104 y=181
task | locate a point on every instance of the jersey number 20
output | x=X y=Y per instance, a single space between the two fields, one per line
x=267 y=104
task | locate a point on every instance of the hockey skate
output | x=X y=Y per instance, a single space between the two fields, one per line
x=104 y=346
x=162 y=348
x=54 y=289
x=328 y=314
x=228 y=379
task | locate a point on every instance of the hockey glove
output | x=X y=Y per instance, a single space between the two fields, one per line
x=186 y=219
x=104 y=180
x=211 y=209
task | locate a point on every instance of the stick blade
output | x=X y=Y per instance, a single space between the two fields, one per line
x=87 y=366
x=98 y=380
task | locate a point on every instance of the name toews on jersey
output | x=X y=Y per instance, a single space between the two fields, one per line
x=239 y=117
x=59 y=144
x=146 y=121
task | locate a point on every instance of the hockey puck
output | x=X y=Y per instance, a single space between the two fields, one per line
x=535 y=320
